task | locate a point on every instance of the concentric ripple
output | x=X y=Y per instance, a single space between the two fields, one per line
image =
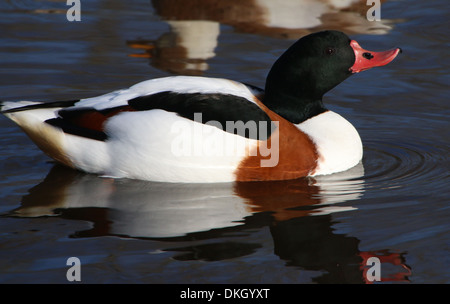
x=390 y=164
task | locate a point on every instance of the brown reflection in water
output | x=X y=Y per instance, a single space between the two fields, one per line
x=285 y=199
x=195 y=26
x=147 y=210
x=308 y=241
x=282 y=19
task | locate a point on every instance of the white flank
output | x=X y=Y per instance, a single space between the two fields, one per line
x=141 y=146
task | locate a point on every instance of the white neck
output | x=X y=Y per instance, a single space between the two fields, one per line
x=338 y=143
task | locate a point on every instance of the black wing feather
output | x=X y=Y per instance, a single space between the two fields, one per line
x=43 y=105
x=215 y=107
x=222 y=108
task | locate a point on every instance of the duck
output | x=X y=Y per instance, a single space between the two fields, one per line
x=195 y=129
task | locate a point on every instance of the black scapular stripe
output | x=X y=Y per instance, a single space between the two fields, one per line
x=68 y=127
x=234 y=114
x=242 y=117
x=71 y=121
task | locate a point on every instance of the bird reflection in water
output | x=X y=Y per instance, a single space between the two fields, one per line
x=194 y=26
x=299 y=214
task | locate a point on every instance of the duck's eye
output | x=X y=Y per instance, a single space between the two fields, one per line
x=330 y=51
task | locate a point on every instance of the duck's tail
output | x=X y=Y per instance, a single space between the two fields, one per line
x=19 y=106
x=30 y=116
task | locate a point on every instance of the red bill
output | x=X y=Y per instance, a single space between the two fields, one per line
x=365 y=59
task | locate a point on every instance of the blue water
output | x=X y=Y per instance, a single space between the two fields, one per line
x=394 y=205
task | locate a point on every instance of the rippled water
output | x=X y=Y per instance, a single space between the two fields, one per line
x=394 y=205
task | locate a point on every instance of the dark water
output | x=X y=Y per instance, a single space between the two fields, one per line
x=394 y=206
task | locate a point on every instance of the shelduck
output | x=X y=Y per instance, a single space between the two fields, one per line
x=202 y=130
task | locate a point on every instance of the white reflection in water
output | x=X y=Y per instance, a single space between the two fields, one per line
x=157 y=210
x=194 y=27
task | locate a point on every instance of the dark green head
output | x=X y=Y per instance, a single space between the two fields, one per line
x=311 y=67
